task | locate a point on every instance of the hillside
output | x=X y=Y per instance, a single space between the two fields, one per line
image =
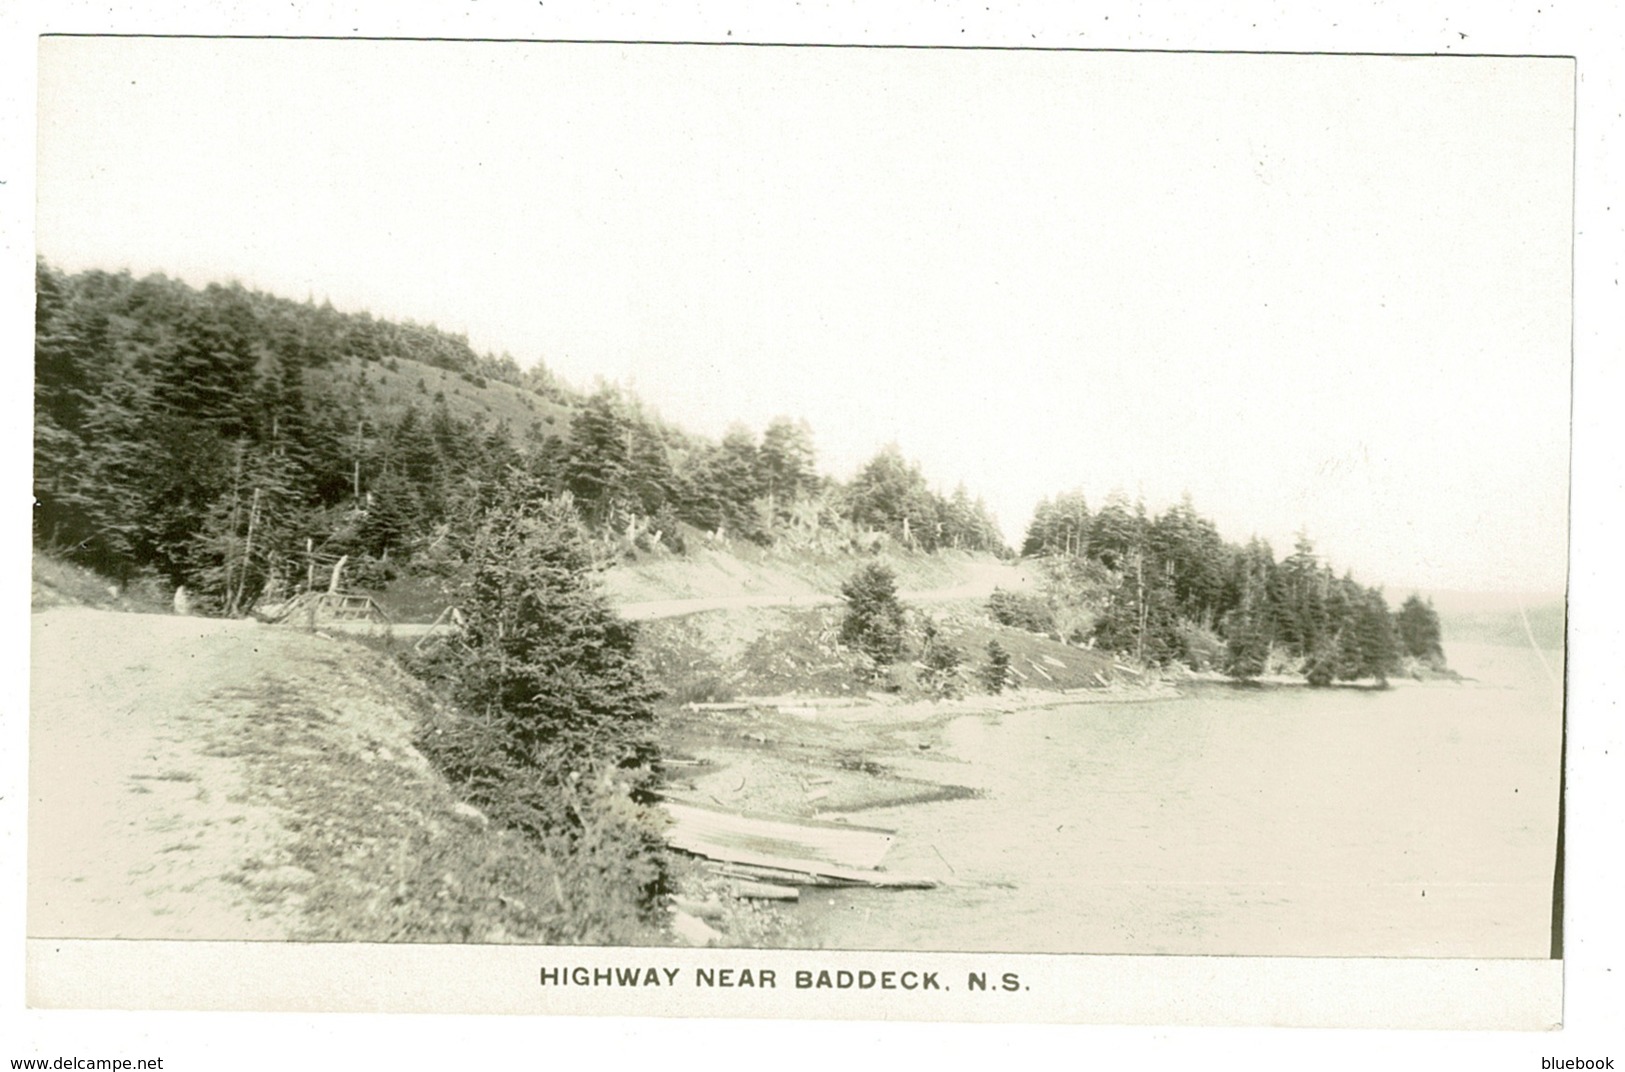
x=212 y=779
x=389 y=386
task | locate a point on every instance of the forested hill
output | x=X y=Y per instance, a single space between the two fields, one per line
x=1171 y=589
x=233 y=441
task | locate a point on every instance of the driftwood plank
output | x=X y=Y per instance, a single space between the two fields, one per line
x=784 y=851
x=724 y=835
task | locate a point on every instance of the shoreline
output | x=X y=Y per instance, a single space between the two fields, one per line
x=810 y=757
x=805 y=758
x=838 y=758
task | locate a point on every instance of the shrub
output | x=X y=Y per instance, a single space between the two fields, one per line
x=1022 y=611
x=939 y=664
x=669 y=527
x=584 y=818
x=541 y=649
x=1199 y=648
x=1321 y=666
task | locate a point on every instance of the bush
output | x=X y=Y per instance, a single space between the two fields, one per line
x=939 y=664
x=1022 y=611
x=1321 y=667
x=1417 y=624
x=669 y=527
x=1199 y=648
x=585 y=819
x=874 y=615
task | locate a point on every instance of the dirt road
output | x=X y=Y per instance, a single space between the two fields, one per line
x=136 y=830
x=981 y=581
x=984 y=578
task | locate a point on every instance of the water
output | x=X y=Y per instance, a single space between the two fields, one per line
x=1421 y=821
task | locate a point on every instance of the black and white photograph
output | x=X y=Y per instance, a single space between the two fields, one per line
x=837 y=521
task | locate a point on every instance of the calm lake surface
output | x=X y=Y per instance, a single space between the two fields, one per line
x=1419 y=821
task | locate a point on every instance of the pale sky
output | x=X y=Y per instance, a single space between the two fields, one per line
x=1314 y=292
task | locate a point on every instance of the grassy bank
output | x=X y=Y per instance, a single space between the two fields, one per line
x=724 y=655
x=382 y=850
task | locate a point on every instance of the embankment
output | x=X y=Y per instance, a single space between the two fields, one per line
x=210 y=779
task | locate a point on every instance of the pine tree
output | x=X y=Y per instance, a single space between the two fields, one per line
x=1247 y=642
x=786 y=461
x=598 y=471
x=248 y=544
x=542 y=656
x=1378 y=644
x=1059 y=527
x=996 y=674
x=890 y=495
x=1116 y=531
x=1419 y=633
x=874 y=615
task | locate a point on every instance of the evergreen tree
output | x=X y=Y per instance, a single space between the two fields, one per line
x=940 y=662
x=1378 y=645
x=890 y=495
x=542 y=658
x=1138 y=619
x=1247 y=641
x=996 y=674
x=1249 y=627
x=653 y=477
x=1419 y=633
x=1116 y=532
x=248 y=545
x=598 y=471
x=1192 y=557
x=786 y=461
x=874 y=615
x=210 y=375
x=1059 y=527
x=733 y=470
x=1301 y=620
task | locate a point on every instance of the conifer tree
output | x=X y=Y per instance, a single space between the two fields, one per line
x=1419 y=633
x=874 y=615
x=542 y=658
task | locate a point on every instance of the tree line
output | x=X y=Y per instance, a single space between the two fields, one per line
x=1170 y=588
x=232 y=441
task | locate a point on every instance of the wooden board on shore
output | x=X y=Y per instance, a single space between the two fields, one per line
x=754 y=890
x=827 y=877
x=803 y=844
x=786 y=852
